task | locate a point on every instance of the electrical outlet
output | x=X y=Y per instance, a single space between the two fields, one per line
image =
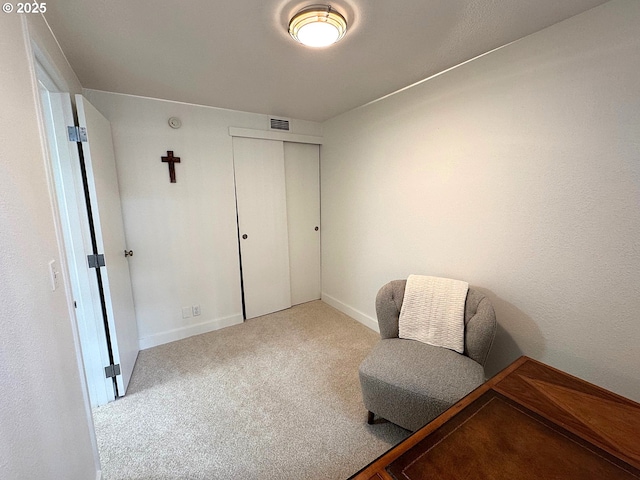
x=196 y=310
x=186 y=312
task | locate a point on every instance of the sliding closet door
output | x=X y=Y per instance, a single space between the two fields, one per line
x=302 y=167
x=262 y=225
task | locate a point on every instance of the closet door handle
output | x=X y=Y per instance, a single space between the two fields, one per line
x=317 y=228
x=245 y=236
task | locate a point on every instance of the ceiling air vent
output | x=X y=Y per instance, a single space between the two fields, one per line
x=279 y=124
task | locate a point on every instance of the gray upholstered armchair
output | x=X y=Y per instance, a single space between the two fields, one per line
x=410 y=383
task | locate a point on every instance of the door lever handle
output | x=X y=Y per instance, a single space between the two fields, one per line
x=128 y=253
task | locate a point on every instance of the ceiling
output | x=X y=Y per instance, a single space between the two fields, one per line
x=238 y=54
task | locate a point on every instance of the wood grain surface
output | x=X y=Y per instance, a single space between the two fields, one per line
x=530 y=421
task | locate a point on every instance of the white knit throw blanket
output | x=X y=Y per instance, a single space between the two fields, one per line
x=433 y=311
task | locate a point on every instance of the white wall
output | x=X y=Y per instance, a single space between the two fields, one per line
x=518 y=172
x=184 y=235
x=45 y=431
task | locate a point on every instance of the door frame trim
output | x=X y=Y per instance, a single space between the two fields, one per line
x=39 y=64
x=269 y=135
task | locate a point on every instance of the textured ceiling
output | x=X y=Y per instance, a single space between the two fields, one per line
x=238 y=54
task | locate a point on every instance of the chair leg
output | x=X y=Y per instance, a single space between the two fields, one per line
x=370 y=418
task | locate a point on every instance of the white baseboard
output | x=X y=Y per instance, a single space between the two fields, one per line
x=364 y=319
x=188 y=331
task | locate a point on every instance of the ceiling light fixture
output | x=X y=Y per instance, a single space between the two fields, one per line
x=317 y=26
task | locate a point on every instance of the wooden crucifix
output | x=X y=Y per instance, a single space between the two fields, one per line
x=171 y=160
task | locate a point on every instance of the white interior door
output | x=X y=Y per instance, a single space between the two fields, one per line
x=58 y=114
x=302 y=167
x=106 y=209
x=262 y=224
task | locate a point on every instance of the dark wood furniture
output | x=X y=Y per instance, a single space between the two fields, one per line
x=530 y=421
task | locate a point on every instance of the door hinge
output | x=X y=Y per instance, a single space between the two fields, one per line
x=96 y=261
x=77 y=134
x=112 y=370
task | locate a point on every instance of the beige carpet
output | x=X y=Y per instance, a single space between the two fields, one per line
x=277 y=397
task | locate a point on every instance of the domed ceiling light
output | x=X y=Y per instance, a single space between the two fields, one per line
x=317 y=26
